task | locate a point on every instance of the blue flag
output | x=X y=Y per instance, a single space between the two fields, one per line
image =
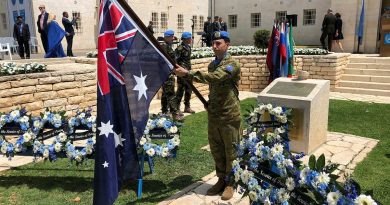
x=360 y=29
x=130 y=72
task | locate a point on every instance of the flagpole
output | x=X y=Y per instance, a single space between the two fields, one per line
x=134 y=16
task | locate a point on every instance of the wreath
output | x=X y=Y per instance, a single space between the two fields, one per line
x=160 y=126
x=269 y=173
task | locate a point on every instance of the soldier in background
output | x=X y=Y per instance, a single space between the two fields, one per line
x=224 y=118
x=223 y=24
x=208 y=30
x=168 y=100
x=183 y=58
x=216 y=24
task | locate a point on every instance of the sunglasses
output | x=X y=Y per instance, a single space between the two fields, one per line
x=41 y=7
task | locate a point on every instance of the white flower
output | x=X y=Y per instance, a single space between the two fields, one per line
x=245 y=132
x=173 y=129
x=81 y=115
x=46 y=153
x=14 y=114
x=161 y=121
x=277 y=149
x=62 y=137
x=146 y=131
x=94 y=127
x=262 y=108
x=288 y=163
x=253 y=195
x=304 y=173
x=57 y=117
x=282 y=119
x=245 y=176
x=236 y=163
x=57 y=147
x=267 y=201
x=24 y=119
x=270 y=136
x=283 y=195
x=150 y=152
x=4 y=148
x=165 y=152
x=323 y=178
x=252 y=135
x=277 y=111
x=92 y=119
x=79 y=157
x=176 y=141
x=89 y=150
x=142 y=141
x=332 y=198
x=280 y=130
x=37 y=124
x=364 y=200
x=94 y=139
x=290 y=184
x=237 y=175
x=27 y=137
x=269 y=107
x=18 y=149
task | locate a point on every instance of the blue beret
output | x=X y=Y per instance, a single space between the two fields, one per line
x=221 y=35
x=168 y=33
x=186 y=35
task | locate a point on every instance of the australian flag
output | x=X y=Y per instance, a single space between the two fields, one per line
x=131 y=69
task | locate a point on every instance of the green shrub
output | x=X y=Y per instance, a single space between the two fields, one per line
x=261 y=39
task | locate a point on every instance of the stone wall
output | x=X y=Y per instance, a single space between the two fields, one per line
x=70 y=84
x=66 y=86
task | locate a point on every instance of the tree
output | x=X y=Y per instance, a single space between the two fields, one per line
x=261 y=39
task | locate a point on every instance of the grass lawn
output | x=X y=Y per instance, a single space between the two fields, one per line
x=56 y=183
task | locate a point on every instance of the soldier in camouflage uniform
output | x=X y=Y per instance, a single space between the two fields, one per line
x=183 y=58
x=168 y=100
x=224 y=120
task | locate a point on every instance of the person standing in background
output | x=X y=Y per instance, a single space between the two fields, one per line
x=22 y=36
x=223 y=24
x=216 y=24
x=42 y=24
x=328 y=29
x=339 y=32
x=150 y=27
x=68 y=25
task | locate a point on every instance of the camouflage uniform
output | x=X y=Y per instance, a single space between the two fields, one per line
x=224 y=119
x=183 y=58
x=168 y=99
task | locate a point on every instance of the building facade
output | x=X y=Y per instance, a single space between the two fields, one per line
x=246 y=17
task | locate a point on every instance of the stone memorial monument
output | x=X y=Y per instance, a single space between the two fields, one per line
x=309 y=100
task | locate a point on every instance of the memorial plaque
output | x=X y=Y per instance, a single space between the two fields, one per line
x=292 y=89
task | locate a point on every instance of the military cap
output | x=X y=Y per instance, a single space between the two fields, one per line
x=221 y=35
x=169 y=33
x=186 y=35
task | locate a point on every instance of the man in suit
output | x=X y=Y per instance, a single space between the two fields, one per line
x=223 y=24
x=42 y=24
x=150 y=27
x=216 y=24
x=328 y=29
x=208 y=30
x=68 y=25
x=22 y=35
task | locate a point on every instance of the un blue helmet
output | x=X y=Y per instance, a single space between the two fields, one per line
x=221 y=35
x=169 y=33
x=186 y=35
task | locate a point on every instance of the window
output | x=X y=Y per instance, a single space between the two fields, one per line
x=195 y=22
x=281 y=15
x=155 y=21
x=201 y=22
x=309 y=17
x=180 y=23
x=3 y=20
x=232 y=21
x=255 y=20
x=78 y=25
x=164 y=21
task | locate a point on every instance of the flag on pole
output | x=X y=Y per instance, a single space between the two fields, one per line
x=360 y=29
x=276 y=55
x=131 y=69
x=291 y=52
x=282 y=49
x=269 y=61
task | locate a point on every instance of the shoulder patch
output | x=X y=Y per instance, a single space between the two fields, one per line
x=229 y=68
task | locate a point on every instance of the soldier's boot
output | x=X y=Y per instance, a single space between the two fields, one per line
x=177 y=117
x=189 y=110
x=227 y=193
x=217 y=188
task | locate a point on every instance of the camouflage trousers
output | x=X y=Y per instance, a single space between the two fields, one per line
x=222 y=139
x=183 y=89
x=168 y=99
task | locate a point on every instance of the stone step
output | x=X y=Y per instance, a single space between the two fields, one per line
x=369 y=66
x=366 y=78
x=366 y=85
x=363 y=91
x=374 y=72
x=383 y=60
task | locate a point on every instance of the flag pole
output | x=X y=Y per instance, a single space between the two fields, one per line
x=134 y=16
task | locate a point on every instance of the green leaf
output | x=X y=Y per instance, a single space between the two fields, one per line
x=312 y=162
x=320 y=163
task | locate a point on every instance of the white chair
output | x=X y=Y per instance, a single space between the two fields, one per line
x=33 y=45
x=4 y=48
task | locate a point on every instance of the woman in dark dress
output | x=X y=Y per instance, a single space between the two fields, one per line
x=339 y=31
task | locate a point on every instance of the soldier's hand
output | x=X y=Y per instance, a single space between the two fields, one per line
x=180 y=71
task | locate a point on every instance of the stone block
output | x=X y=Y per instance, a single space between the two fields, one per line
x=66 y=85
x=49 y=80
x=56 y=102
x=93 y=96
x=88 y=83
x=253 y=78
x=315 y=68
x=250 y=65
x=67 y=78
x=254 y=86
x=244 y=70
x=17 y=91
x=323 y=64
x=5 y=102
x=87 y=76
x=90 y=89
x=255 y=70
x=88 y=104
x=8 y=109
x=38 y=75
x=23 y=99
x=42 y=88
x=68 y=92
x=246 y=74
x=76 y=99
x=5 y=85
x=45 y=95
x=37 y=105
x=24 y=83
x=245 y=82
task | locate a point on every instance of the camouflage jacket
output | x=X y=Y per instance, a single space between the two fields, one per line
x=183 y=56
x=168 y=48
x=223 y=81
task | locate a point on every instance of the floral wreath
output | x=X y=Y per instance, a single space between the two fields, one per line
x=61 y=143
x=268 y=173
x=169 y=127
